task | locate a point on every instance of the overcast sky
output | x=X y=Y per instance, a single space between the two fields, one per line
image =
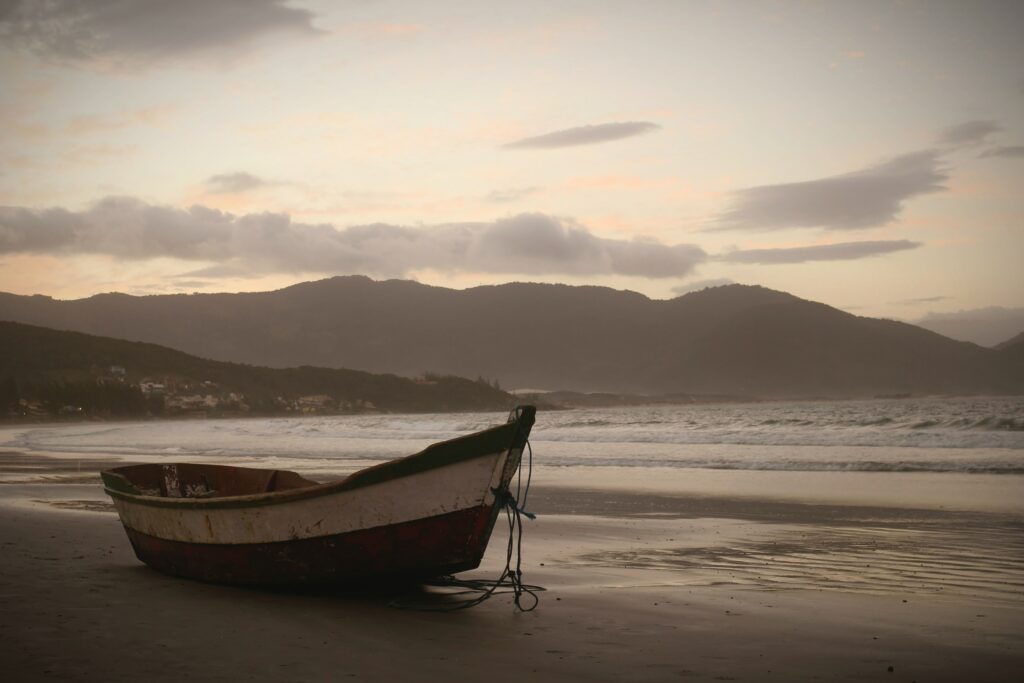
x=869 y=155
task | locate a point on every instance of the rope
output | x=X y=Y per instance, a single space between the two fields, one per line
x=511 y=580
x=521 y=506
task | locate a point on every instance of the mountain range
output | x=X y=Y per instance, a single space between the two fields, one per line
x=736 y=339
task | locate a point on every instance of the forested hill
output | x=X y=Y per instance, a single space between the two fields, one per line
x=49 y=371
x=736 y=340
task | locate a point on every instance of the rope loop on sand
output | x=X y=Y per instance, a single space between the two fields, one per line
x=511 y=580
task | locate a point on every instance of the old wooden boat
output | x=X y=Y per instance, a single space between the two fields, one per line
x=424 y=515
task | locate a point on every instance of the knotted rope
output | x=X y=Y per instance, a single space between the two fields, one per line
x=511 y=579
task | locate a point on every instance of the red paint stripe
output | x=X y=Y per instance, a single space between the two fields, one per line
x=433 y=546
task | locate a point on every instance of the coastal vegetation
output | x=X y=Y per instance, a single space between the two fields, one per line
x=52 y=373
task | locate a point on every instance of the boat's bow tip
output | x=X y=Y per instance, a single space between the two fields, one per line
x=524 y=413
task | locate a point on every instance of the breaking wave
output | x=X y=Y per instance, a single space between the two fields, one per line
x=976 y=435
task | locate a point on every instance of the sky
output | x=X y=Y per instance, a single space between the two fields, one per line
x=868 y=155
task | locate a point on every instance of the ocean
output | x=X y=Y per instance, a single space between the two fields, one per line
x=929 y=451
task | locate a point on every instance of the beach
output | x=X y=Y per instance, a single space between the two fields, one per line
x=517 y=342
x=643 y=583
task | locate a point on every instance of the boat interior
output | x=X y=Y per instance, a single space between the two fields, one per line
x=190 y=480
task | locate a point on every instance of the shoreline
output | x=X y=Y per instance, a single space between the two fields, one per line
x=639 y=586
x=532 y=398
x=963 y=492
x=27 y=422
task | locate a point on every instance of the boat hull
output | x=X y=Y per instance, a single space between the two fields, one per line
x=420 y=548
x=425 y=515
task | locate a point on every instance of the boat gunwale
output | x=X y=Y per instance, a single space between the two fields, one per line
x=488 y=442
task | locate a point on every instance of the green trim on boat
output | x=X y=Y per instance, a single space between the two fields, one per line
x=488 y=442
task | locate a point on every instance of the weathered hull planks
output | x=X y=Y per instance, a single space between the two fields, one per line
x=435 y=492
x=425 y=515
x=421 y=548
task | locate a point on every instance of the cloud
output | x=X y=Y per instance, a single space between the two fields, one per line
x=143 y=32
x=968 y=133
x=512 y=195
x=842 y=251
x=91 y=154
x=921 y=300
x=191 y=284
x=1008 y=151
x=531 y=243
x=231 y=183
x=216 y=272
x=148 y=116
x=585 y=135
x=698 y=285
x=851 y=201
x=387 y=29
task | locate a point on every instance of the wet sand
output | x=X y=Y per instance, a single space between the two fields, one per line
x=641 y=586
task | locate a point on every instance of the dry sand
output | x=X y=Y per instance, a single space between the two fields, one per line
x=640 y=587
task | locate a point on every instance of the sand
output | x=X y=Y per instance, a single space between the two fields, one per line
x=640 y=587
